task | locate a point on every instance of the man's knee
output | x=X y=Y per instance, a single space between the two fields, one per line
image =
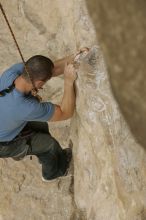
x=38 y=126
x=44 y=142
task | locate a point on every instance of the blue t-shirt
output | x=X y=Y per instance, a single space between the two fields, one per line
x=16 y=109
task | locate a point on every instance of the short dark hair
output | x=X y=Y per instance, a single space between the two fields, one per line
x=39 y=68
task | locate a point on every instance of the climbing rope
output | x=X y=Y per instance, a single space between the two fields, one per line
x=34 y=90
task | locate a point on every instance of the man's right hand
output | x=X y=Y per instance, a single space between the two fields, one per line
x=66 y=109
x=70 y=74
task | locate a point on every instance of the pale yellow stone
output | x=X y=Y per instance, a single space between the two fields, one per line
x=109 y=166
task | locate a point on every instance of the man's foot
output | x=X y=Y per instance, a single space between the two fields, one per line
x=49 y=181
x=68 y=156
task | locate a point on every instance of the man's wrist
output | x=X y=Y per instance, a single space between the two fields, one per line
x=68 y=83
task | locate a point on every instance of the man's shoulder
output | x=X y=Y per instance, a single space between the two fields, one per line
x=9 y=75
x=14 y=69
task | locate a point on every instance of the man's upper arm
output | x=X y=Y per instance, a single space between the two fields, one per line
x=39 y=111
x=45 y=111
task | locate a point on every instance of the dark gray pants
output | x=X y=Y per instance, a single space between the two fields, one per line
x=39 y=143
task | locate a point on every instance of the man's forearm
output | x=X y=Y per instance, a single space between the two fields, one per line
x=68 y=101
x=60 y=64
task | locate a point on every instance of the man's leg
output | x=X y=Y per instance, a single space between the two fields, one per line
x=53 y=158
x=16 y=149
x=38 y=126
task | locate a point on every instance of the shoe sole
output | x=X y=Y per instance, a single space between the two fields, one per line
x=58 y=178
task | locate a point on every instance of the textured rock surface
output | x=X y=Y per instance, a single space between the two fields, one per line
x=120 y=27
x=109 y=166
x=47 y=28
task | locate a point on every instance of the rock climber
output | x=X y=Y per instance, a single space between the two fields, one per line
x=23 y=119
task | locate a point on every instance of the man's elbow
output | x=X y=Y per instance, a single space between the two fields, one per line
x=60 y=115
x=66 y=116
x=69 y=116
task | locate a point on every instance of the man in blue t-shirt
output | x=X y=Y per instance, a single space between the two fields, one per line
x=23 y=119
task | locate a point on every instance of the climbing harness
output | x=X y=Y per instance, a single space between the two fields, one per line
x=34 y=90
x=7 y=90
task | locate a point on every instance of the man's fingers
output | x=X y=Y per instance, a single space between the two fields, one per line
x=69 y=68
x=84 y=49
x=70 y=73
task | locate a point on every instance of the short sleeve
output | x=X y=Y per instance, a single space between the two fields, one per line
x=8 y=76
x=40 y=111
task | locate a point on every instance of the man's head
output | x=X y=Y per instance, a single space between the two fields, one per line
x=40 y=69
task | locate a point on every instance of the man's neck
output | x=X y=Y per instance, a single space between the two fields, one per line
x=21 y=85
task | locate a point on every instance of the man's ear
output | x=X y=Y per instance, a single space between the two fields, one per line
x=39 y=83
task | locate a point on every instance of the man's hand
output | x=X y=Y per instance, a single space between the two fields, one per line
x=59 y=65
x=70 y=74
x=66 y=109
x=82 y=50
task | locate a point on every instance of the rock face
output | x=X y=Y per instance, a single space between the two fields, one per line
x=120 y=27
x=54 y=29
x=109 y=166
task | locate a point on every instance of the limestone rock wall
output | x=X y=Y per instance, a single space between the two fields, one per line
x=55 y=29
x=120 y=26
x=109 y=165
x=52 y=28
